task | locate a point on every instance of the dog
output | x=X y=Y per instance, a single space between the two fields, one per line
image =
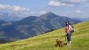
x=59 y=43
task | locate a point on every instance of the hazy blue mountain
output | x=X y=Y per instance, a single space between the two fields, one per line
x=28 y=20
x=81 y=19
x=85 y=19
x=9 y=17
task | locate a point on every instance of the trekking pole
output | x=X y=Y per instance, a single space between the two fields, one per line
x=62 y=37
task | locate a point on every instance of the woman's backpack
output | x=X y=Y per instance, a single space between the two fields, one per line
x=71 y=28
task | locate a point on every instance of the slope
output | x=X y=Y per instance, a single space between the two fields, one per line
x=80 y=40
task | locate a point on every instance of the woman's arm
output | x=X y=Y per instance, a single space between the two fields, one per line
x=69 y=28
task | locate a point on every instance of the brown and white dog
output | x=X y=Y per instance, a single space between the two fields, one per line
x=59 y=43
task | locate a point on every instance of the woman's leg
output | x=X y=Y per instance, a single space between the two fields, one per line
x=68 y=38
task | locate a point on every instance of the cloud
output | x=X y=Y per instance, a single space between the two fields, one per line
x=76 y=1
x=78 y=11
x=57 y=3
x=65 y=2
x=42 y=12
x=54 y=3
x=14 y=8
x=20 y=11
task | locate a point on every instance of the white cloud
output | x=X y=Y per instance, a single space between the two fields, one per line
x=77 y=1
x=43 y=12
x=78 y=11
x=65 y=2
x=57 y=3
x=14 y=8
x=32 y=12
x=72 y=1
x=54 y=3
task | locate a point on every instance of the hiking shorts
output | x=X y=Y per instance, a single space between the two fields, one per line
x=68 y=35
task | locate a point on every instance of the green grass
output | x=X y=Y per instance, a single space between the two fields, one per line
x=80 y=40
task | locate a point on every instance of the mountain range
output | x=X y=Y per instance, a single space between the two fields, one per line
x=32 y=26
x=10 y=16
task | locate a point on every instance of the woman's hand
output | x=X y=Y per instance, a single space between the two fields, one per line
x=65 y=34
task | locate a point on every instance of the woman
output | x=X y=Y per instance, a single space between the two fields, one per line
x=68 y=33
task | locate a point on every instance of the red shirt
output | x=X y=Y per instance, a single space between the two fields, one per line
x=67 y=29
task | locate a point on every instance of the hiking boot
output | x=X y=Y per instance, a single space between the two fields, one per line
x=69 y=43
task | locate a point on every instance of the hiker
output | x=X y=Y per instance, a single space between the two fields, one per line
x=68 y=32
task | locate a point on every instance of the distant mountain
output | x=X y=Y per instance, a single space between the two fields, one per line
x=33 y=26
x=81 y=19
x=28 y=20
x=9 y=17
x=85 y=19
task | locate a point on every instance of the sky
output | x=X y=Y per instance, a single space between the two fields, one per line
x=69 y=8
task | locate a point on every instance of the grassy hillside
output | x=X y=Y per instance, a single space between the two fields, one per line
x=80 y=40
